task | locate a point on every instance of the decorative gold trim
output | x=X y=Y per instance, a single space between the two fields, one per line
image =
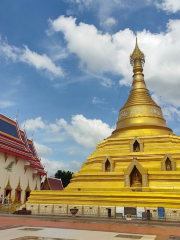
x=19 y=186
x=34 y=175
x=28 y=188
x=140 y=168
x=36 y=188
x=8 y=186
x=6 y=155
x=163 y=161
x=25 y=168
x=17 y=159
x=111 y=164
x=18 y=189
x=140 y=144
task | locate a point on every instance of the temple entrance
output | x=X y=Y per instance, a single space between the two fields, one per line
x=135 y=178
x=107 y=166
x=168 y=165
x=7 y=191
x=136 y=146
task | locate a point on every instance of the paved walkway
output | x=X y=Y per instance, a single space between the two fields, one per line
x=161 y=230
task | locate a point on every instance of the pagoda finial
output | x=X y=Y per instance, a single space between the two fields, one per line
x=137 y=54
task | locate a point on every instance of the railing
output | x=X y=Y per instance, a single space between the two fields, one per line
x=7 y=206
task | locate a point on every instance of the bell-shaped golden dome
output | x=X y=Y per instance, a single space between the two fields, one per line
x=140 y=111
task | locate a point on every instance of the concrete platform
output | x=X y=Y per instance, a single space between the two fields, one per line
x=79 y=228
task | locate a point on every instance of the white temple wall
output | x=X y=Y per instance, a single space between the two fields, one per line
x=17 y=171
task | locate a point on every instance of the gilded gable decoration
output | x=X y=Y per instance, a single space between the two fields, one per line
x=168 y=163
x=135 y=175
x=8 y=186
x=136 y=145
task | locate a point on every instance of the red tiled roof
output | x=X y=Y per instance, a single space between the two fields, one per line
x=55 y=184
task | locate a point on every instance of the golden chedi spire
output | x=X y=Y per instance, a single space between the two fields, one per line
x=140 y=111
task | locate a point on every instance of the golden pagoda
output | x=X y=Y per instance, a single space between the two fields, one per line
x=138 y=165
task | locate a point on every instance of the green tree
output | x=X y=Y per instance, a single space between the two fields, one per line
x=65 y=176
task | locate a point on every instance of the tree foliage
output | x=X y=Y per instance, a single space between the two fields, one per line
x=65 y=176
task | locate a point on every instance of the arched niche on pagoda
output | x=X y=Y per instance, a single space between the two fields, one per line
x=108 y=165
x=135 y=175
x=136 y=145
x=168 y=163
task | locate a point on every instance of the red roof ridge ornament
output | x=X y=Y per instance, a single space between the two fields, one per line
x=16 y=115
x=32 y=135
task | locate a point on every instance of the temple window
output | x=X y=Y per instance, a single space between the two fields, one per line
x=168 y=165
x=135 y=178
x=136 y=146
x=107 y=166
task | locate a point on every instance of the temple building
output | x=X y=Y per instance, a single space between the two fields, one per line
x=138 y=166
x=51 y=183
x=20 y=167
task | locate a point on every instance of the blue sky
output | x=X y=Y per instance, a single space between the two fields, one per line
x=64 y=64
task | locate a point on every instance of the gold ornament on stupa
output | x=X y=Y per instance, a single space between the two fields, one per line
x=138 y=165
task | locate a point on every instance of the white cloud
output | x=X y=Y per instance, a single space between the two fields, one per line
x=106 y=82
x=52 y=166
x=109 y=22
x=42 y=150
x=102 y=53
x=54 y=127
x=169 y=111
x=172 y=6
x=74 y=166
x=86 y=132
x=96 y=100
x=114 y=111
x=96 y=51
x=73 y=153
x=40 y=62
x=34 y=124
x=5 y=104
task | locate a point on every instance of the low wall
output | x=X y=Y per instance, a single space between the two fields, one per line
x=102 y=211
